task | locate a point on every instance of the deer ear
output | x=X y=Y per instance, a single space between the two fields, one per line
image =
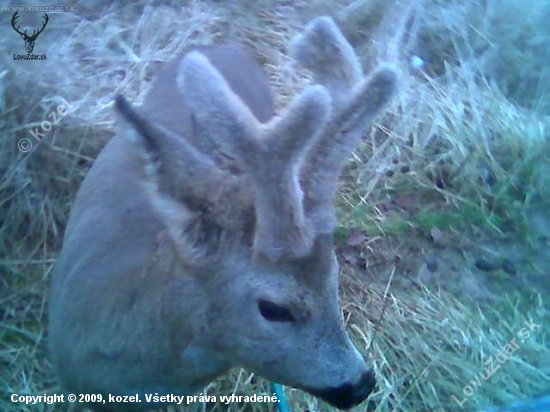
x=190 y=194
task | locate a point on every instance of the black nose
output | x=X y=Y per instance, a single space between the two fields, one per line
x=348 y=395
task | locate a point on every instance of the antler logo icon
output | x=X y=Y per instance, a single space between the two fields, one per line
x=29 y=40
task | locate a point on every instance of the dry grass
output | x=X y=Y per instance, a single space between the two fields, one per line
x=464 y=149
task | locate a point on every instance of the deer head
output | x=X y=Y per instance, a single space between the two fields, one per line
x=201 y=239
x=29 y=40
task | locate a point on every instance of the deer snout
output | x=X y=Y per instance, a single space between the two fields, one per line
x=349 y=394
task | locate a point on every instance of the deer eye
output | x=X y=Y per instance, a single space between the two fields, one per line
x=274 y=313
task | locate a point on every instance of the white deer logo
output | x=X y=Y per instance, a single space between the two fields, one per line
x=202 y=237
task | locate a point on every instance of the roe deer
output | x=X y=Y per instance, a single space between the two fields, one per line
x=202 y=237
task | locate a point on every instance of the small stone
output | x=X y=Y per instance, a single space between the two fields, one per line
x=508 y=266
x=436 y=234
x=355 y=237
x=404 y=202
x=431 y=262
x=486 y=266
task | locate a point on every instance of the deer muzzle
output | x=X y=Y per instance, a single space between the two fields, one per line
x=348 y=394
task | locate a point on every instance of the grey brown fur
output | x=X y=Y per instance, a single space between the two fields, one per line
x=201 y=238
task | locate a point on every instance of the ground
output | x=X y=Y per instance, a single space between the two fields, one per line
x=444 y=218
